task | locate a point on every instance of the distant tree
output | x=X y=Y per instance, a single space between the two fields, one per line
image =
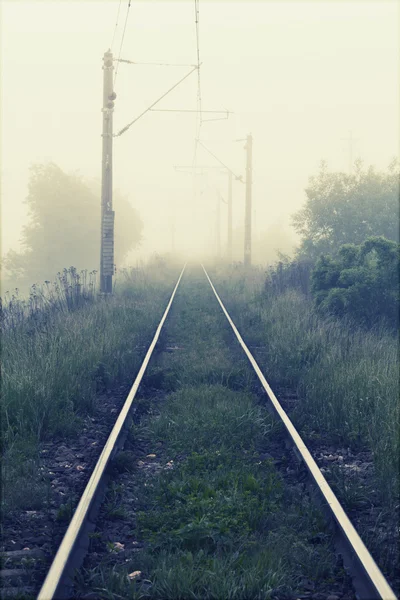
x=64 y=226
x=361 y=282
x=342 y=209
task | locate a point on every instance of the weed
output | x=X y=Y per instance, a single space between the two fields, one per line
x=124 y=462
x=58 y=352
x=221 y=523
x=66 y=510
x=347 y=378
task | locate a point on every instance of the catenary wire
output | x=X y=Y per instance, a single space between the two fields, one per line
x=199 y=120
x=116 y=25
x=122 y=40
x=154 y=103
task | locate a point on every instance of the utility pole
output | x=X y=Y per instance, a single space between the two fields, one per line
x=231 y=174
x=172 y=238
x=230 y=216
x=351 y=141
x=172 y=228
x=247 y=217
x=107 y=213
x=218 y=225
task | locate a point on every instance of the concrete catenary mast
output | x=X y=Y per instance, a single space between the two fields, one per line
x=107 y=213
x=247 y=217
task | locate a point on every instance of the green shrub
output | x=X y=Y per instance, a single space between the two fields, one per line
x=362 y=282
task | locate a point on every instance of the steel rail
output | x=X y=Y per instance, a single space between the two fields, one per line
x=59 y=577
x=368 y=580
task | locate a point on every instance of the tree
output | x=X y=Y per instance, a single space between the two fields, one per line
x=342 y=209
x=64 y=227
x=361 y=282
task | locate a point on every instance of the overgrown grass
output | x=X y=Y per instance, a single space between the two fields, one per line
x=221 y=523
x=70 y=290
x=55 y=366
x=347 y=377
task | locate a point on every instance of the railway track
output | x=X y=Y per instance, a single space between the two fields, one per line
x=368 y=581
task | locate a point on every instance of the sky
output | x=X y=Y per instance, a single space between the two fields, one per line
x=298 y=75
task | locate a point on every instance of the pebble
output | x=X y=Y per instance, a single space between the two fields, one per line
x=118 y=546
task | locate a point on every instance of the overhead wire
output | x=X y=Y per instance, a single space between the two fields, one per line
x=199 y=119
x=196 y=8
x=122 y=41
x=116 y=25
x=157 y=64
x=154 y=103
x=237 y=177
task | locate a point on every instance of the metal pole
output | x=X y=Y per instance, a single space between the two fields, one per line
x=247 y=218
x=107 y=214
x=229 y=216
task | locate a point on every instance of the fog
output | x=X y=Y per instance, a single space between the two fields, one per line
x=298 y=75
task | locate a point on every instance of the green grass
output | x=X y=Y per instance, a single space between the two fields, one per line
x=222 y=523
x=54 y=368
x=347 y=380
x=347 y=377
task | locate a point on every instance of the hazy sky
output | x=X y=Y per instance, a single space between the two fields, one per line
x=298 y=75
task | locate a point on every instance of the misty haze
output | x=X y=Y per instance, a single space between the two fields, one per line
x=200 y=299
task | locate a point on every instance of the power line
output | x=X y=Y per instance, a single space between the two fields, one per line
x=122 y=40
x=225 y=112
x=156 y=64
x=116 y=25
x=199 y=114
x=238 y=177
x=196 y=9
x=154 y=103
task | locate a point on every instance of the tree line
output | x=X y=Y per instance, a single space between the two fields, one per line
x=348 y=257
x=64 y=227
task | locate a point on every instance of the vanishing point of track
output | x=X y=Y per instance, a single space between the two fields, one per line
x=368 y=580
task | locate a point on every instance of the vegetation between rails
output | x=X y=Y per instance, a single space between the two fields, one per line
x=346 y=378
x=55 y=363
x=219 y=522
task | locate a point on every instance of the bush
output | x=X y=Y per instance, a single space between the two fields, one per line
x=289 y=274
x=362 y=282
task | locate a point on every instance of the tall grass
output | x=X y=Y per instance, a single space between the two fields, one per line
x=220 y=522
x=293 y=274
x=61 y=348
x=70 y=290
x=347 y=378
